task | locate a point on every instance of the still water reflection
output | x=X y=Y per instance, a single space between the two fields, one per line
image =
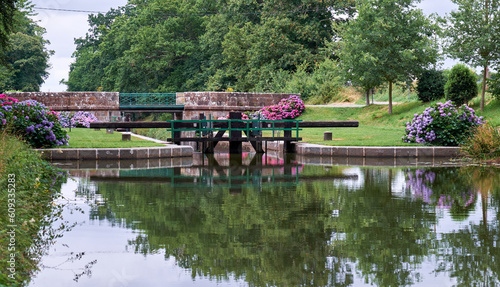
x=273 y=222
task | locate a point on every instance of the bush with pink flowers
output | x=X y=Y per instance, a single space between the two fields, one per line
x=289 y=108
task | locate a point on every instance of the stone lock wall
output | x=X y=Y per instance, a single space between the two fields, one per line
x=219 y=104
x=104 y=105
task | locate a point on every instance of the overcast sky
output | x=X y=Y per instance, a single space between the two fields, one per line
x=64 y=26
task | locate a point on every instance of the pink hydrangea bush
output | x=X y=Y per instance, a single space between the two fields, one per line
x=289 y=108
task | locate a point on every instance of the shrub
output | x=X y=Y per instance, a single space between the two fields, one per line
x=286 y=109
x=33 y=122
x=83 y=119
x=430 y=86
x=65 y=119
x=442 y=124
x=461 y=86
x=484 y=143
x=494 y=85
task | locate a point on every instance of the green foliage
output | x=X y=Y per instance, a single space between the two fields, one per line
x=461 y=86
x=26 y=58
x=243 y=45
x=430 y=86
x=37 y=184
x=483 y=144
x=7 y=11
x=473 y=35
x=389 y=43
x=494 y=85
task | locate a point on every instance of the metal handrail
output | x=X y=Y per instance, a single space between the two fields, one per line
x=132 y=100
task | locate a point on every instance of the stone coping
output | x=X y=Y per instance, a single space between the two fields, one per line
x=377 y=152
x=170 y=151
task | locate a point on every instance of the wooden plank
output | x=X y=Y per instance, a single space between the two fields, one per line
x=328 y=124
x=242 y=139
x=219 y=125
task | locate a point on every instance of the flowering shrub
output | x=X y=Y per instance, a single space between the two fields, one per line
x=442 y=124
x=83 y=119
x=33 y=122
x=65 y=119
x=286 y=109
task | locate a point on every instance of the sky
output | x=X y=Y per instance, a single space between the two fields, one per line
x=64 y=27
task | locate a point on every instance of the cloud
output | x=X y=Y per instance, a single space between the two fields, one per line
x=62 y=29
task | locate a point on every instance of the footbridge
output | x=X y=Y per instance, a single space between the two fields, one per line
x=114 y=106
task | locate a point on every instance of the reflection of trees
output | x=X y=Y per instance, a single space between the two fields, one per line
x=278 y=236
x=471 y=255
x=388 y=236
x=313 y=233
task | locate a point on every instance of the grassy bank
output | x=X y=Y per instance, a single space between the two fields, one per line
x=376 y=126
x=28 y=187
x=90 y=138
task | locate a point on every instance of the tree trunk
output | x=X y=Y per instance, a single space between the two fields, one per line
x=367 y=97
x=483 y=92
x=390 y=97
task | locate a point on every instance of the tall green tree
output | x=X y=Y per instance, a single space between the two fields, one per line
x=473 y=35
x=26 y=57
x=389 y=40
x=7 y=11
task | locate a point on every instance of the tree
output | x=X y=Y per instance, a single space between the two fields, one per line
x=28 y=62
x=7 y=11
x=389 y=40
x=430 y=85
x=26 y=58
x=168 y=46
x=474 y=35
x=461 y=86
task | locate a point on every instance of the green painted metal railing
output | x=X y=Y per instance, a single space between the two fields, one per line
x=143 y=100
x=250 y=127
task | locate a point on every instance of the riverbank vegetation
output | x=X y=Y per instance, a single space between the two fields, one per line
x=29 y=186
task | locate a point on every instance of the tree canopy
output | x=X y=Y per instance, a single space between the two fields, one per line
x=473 y=35
x=7 y=10
x=26 y=56
x=169 y=46
x=390 y=41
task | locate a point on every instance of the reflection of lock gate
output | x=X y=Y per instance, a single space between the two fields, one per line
x=209 y=132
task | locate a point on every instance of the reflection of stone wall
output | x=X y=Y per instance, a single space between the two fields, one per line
x=219 y=104
x=104 y=105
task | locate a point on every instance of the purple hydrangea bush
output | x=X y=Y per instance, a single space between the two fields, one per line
x=83 y=119
x=289 y=108
x=33 y=122
x=65 y=119
x=442 y=125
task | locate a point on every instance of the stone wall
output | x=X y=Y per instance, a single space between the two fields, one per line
x=104 y=105
x=219 y=104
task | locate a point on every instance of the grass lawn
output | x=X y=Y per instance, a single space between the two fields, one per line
x=376 y=126
x=90 y=138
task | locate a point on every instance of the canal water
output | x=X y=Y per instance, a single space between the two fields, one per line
x=269 y=221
